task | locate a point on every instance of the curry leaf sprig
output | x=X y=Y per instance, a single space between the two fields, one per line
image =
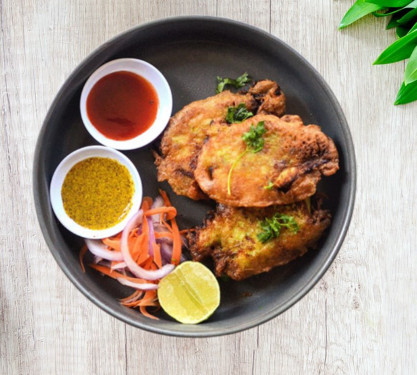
x=254 y=142
x=238 y=114
x=237 y=83
x=403 y=15
x=271 y=227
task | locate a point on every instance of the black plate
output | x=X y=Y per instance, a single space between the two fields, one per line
x=191 y=52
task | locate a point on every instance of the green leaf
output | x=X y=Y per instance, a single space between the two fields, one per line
x=237 y=83
x=390 y=3
x=359 y=9
x=413 y=28
x=254 y=137
x=392 y=23
x=271 y=227
x=401 y=31
x=387 y=12
x=407 y=93
x=399 y=50
x=408 y=17
x=237 y=114
x=410 y=74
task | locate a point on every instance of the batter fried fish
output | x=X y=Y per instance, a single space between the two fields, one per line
x=189 y=128
x=234 y=237
x=285 y=169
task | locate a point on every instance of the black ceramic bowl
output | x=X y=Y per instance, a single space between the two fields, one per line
x=191 y=52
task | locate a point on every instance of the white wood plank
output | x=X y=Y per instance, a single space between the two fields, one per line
x=359 y=319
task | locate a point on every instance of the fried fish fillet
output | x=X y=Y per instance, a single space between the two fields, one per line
x=286 y=170
x=189 y=128
x=230 y=237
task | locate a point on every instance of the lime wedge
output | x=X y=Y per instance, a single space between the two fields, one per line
x=190 y=293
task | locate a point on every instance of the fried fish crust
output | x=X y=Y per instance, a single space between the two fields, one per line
x=189 y=128
x=230 y=237
x=287 y=169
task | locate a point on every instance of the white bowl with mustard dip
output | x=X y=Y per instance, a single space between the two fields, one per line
x=94 y=192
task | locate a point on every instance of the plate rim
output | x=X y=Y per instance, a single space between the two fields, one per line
x=303 y=290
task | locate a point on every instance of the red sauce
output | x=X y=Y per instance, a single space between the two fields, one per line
x=122 y=105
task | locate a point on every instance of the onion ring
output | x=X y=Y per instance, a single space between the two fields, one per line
x=100 y=250
x=145 y=286
x=130 y=263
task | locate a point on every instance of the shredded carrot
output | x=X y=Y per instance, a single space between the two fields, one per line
x=157 y=254
x=82 y=255
x=138 y=249
x=176 y=250
x=147 y=203
x=138 y=244
x=163 y=222
x=185 y=231
x=116 y=275
x=133 y=297
x=170 y=212
x=112 y=243
x=163 y=235
x=164 y=196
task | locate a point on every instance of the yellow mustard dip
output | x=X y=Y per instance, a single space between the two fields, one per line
x=97 y=192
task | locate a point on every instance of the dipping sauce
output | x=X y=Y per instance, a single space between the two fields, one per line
x=97 y=192
x=122 y=105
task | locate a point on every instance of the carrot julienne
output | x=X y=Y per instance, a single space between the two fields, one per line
x=157 y=226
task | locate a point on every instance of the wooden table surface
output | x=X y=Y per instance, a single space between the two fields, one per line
x=361 y=318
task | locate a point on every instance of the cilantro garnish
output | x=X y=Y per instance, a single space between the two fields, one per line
x=254 y=142
x=237 y=83
x=237 y=114
x=271 y=227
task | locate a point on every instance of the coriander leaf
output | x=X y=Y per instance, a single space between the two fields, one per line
x=242 y=80
x=410 y=74
x=237 y=114
x=399 y=50
x=271 y=227
x=359 y=9
x=269 y=186
x=407 y=93
x=254 y=142
x=253 y=138
x=237 y=83
x=222 y=82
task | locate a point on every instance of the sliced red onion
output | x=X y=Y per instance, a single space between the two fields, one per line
x=130 y=263
x=99 y=249
x=97 y=259
x=166 y=251
x=134 y=298
x=147 y=286
x=158 y=202
x=151 y=235
x=118 y=266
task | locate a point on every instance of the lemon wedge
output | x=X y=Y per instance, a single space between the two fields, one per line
x=190 y=294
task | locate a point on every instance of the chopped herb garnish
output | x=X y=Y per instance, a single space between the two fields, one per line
x=253 y=137
x=237 y=83
x=269 y=186
x=254 y=142
x=238 y=114
x=271 y=227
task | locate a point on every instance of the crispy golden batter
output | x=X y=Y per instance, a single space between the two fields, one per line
x=189 y=128
x=286 y=170
x=230 y=238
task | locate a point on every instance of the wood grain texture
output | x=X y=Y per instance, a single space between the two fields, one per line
x=361 y=317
